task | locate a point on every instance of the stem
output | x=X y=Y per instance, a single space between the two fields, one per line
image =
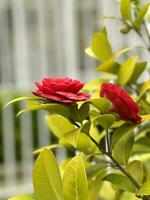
x=118 y=165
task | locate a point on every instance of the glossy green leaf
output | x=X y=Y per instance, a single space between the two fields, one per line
x=126 y=70
x=74 y=113
x=101 y=103
x=50 y=107
x=24 y=197
x=139 y=68
x=145 y=86
x=125 y=8
x=75 y=181
x=140 y=16
x=136 y=169
x=123 y=148
x=46 y=177
x=59 y=125
x=23 y=99
x=105 y=120
x=101 y=46
x=121 y=182
x=145 y=189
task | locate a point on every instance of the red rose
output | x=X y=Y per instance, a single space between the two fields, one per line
x=64 y=90
x=122 y=102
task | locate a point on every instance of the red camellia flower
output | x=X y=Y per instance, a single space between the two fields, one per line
x=64 y=90
x=123 y=104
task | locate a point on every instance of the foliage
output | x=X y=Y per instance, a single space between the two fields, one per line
x=107 y=148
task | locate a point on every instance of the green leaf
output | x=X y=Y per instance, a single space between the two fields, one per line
x=72 y=137
x=145 y=117
x=46 y=177
x=110 y=65
x=89 y=52
x=126 y=70
x=145 y=86
x=123 y=148
x=105 y=120
x=121 y=182
x=59 y=125
x=24 y=197
x=75 y=181
x=85 y=145
x=145 y=189
x=128 y=196
x=23 y=99
x=101 y=103
x=125 y=8
x=93 y=85
x=139 y=68
x=94 y=188
x=140 y=16
x=121 y=131
x=85 y=128
x=97 y=169
x=53 y=146
x=84 y=110
x=101 y=46
x=136 y=169
x=50 y=107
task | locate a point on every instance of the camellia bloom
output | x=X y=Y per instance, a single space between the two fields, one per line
x=65 y=90
x=123 y=104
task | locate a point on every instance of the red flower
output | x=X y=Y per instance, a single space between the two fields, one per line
x=122 y=102
x=64 y=90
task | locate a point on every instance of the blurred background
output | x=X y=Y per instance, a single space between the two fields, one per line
x=43 y=38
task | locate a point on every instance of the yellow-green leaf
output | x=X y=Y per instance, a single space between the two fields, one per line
x=59 y=125
x=136 y=169
x=72 y=136
x=125 y=8
x=75 y=181
x=46 y=177
x=145 y=189
x=23 y=99
x=24 y=197
x=145 y=86
x=110 y=65
x=101 y=46
x=126 y=70
x=140 y=16
x=139 y=68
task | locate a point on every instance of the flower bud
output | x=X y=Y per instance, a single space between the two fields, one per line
x=125 y=29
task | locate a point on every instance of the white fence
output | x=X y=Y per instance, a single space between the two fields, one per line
x=43 y=38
